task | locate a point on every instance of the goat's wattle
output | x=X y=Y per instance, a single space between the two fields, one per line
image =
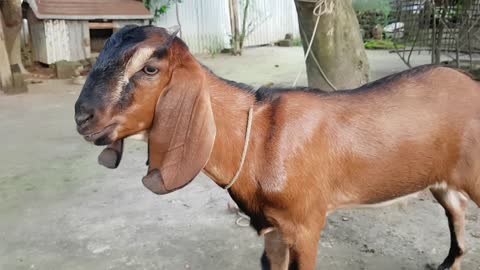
x=111 y=156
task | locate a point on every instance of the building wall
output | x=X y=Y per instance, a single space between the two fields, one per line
x=79 y=39
x=122 y=23
x=56 y=40
x=272 y=20
x=206 y=23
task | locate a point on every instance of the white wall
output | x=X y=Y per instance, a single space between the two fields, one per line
x=273 y=19
x=206 y=23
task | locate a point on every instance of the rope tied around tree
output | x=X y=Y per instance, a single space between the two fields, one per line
x=322 y=7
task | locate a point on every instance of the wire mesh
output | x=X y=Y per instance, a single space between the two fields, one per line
x=448 y=28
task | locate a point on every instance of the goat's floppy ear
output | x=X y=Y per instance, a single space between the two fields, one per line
x=182 y=135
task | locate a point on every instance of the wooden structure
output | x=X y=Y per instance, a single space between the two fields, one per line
x=72 y=29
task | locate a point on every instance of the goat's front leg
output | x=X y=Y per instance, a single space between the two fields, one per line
x=276 y=255
x=303 y=245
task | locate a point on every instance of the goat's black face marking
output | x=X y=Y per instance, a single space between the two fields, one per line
x=107 y=73
x=118 y=44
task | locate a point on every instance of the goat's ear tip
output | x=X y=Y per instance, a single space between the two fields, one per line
x=154 y=182
x=173 y=31
x=109 y=158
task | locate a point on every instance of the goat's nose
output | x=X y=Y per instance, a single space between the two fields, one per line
x=83 y=114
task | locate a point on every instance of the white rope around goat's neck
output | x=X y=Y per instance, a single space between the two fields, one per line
x=245 y=148
x=321 y=7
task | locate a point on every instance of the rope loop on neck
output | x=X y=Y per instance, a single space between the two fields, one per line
x=245 y=149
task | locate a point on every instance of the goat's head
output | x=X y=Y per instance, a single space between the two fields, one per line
x=146 y=80
x=119 y=96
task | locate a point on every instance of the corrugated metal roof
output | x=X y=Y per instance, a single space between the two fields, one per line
x=89 y=9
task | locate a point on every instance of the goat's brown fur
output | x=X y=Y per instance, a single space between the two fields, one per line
x=313 y=152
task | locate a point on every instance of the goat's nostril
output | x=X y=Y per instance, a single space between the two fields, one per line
x=83 y=114
x=83 y=118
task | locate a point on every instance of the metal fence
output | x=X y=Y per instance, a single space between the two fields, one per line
x=449 y=28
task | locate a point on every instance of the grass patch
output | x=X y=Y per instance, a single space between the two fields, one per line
x=296 y=42
x=374 y=44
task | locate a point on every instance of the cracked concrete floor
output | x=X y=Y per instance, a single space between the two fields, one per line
x=60 y=210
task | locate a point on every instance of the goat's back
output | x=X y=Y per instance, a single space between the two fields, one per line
x=378 y=142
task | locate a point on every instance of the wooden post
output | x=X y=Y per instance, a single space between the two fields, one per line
x=12 y=17
x=5 y=71
x=19 y=85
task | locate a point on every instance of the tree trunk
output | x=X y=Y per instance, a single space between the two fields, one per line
x=243 y=34
x=12 y=13
x=337 y=45
x=5 y=71
x=233 y=7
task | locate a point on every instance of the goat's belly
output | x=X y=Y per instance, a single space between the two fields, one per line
x=382 y=203
x=352 y=203
x=346 y=201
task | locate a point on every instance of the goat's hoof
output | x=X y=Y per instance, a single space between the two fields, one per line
x=444 y=267
x=431 y=266
x=109 y=158
x=154 y=182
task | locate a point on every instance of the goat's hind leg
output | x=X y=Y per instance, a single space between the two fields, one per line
x=454 y=204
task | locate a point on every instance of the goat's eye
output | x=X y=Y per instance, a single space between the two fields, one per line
x=149 y=70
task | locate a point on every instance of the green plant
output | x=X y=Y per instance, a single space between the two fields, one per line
x=379 y=9
x=159 y=7
x=214 y=49
x=381 y=45
x=296 y=42
x=214 y=46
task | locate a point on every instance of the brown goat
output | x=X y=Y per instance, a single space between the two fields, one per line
x=311 y=152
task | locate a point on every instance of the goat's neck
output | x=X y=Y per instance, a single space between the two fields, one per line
x=230 y=107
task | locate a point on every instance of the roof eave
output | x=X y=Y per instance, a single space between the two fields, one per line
x=87 y=17
x=33 y=6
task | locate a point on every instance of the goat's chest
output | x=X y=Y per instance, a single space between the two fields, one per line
x=258 y=219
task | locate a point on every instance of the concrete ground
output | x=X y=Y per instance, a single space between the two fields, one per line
x=60 y=210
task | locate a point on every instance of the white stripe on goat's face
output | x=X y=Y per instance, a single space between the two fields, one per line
x=136 y=62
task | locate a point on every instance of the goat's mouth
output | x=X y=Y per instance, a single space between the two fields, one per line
x=101 y=137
